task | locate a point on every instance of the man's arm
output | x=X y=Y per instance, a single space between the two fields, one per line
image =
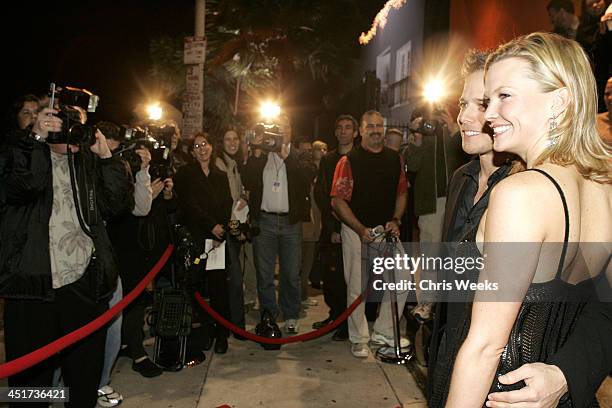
x=341 y=193
x=29 y=172
x=143 y=194
x=579 y=367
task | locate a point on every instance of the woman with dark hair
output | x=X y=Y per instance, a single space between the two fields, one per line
x=205 y=205
x=229 y=161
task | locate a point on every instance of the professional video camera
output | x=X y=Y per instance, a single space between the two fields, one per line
x=158 y=140
x=270 y=135
x=69 y=101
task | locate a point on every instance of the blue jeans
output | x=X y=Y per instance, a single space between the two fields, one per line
x=113 y=337
x=279 y=238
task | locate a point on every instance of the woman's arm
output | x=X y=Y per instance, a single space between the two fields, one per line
x=514 y=215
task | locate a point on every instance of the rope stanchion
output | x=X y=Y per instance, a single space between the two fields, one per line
x=284 y=340
x=24 y=362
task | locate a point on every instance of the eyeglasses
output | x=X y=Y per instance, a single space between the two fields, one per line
x=371 y=126
x=202 y=145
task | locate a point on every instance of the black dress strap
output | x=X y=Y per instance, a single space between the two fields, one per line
x=566 y=211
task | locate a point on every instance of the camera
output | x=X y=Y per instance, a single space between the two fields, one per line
x=428 y=127
x=272 y=139
x=234 y=228
x=158 y=140
x=72 y=103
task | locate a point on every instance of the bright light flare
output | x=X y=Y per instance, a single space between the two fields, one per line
x=434 y=90
x=269 y=110
x=154 y=111
x=380 y=20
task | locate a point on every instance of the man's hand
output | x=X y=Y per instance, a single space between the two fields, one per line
x=418 y=137
x=364 y=234
x=393 y=227
x=100 y=148
x=284 y=153
x=145 y=157
x=218 y=231
x=157 y=186
x=168 y=186
x=336 y=238
x=546 y=384
x=46 y=122
x=445 y=116
x=241 y=204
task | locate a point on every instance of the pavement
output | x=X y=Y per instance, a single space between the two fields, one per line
x=318 y=373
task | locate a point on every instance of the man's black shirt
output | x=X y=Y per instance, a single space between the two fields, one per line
x=467 y=214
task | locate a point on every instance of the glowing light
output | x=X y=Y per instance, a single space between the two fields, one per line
x=380 y=20
x=269 y=110
x=154 y=111
x=433 y=90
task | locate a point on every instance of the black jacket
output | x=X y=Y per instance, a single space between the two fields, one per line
x=322 y=188
x=301 y=171
x=203 y=201
x=27 y=188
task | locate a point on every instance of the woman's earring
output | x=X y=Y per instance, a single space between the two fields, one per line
x=552 y=138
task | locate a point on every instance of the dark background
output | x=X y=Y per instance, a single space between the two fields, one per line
x=100 y=46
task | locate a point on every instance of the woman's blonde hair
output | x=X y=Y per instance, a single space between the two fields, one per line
x=556 y=62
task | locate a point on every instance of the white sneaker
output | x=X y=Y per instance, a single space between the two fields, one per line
x=107 y=397
x=360 y=350
x=292 y=326
x=380 y=339
x=310 y=302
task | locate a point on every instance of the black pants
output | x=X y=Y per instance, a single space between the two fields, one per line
x=131 y=328
x=334 y=285
x=31 y=324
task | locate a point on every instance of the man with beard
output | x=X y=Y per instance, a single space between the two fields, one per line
x=369 y=189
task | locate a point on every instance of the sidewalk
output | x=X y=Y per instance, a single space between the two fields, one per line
x=318 y=373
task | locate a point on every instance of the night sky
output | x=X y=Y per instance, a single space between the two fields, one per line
x=101 y=46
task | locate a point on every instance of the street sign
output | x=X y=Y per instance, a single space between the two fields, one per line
x=194 y=51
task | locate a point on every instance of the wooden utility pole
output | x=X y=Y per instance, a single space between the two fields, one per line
x=194 y=58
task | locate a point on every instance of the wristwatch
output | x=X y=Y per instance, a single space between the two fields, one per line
x=397 y=220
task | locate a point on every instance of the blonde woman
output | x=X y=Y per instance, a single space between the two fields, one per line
x=541 y=104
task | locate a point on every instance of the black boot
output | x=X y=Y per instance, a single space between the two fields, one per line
x=221 y=344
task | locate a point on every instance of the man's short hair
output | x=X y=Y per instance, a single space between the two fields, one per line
x=567 y=5
x=347 y=117
x=110 y=130
x=371 y=112
x=395 y=131
x=474 y=61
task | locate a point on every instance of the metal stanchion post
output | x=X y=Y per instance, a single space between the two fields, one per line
x=395 y=354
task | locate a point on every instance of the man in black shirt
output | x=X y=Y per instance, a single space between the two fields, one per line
x=334 y=286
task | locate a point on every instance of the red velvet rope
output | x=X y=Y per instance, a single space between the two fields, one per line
x=284 y=340
x=24 y=362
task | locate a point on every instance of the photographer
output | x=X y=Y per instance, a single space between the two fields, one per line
x=57 y=266
x=139 y=239
x=205 y=204
x=433 y=154
x=279 y=185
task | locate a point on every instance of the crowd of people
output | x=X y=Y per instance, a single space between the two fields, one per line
x=527 y=160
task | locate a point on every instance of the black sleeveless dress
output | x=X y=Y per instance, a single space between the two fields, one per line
x=544 y=322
